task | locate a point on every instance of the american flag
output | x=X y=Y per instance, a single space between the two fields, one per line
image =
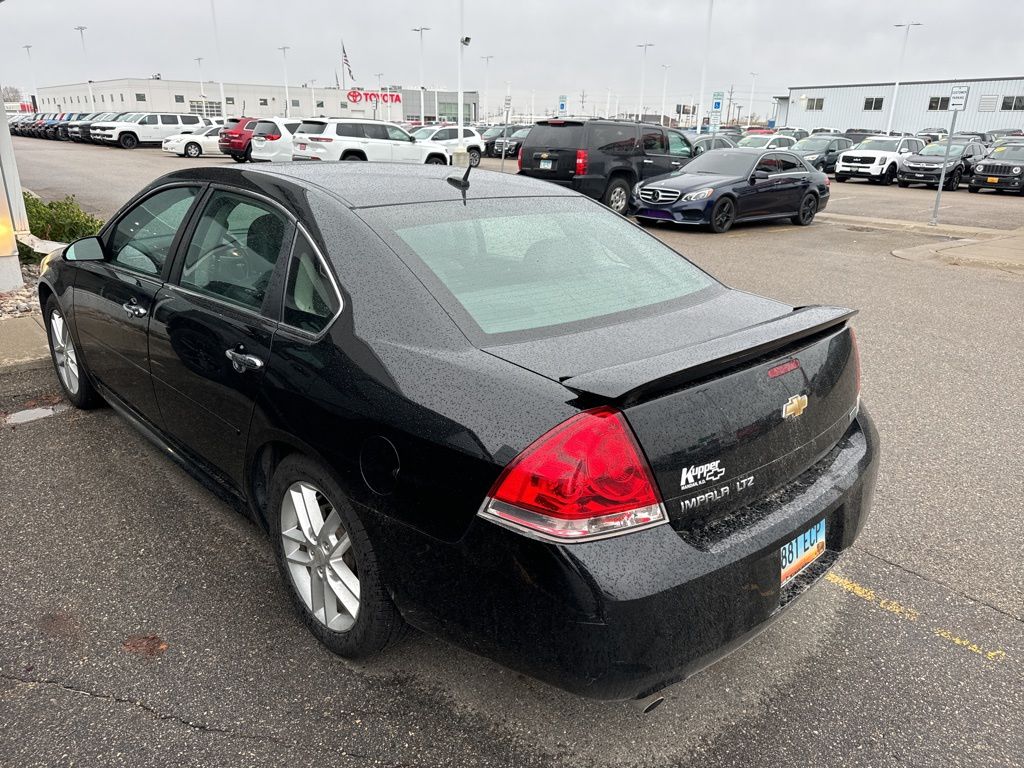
x=345 y=62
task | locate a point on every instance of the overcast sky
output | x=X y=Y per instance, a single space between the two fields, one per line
x=550 y=46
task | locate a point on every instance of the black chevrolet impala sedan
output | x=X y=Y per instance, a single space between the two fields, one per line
x=499 y=413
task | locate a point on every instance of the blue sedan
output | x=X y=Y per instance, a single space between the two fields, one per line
x=726 y=186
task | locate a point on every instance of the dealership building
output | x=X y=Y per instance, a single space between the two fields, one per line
x=995 y=102
x=158 y=95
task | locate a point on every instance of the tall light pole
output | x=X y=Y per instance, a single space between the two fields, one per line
x=32 y=74
x=287 y=101
x=312 y=94
x=487 y=74
x=376 y=101
x=423 y=92
x=750 y=104
x=220 y=58
x=899 y=71
x=643 y=74
x=460 y=157
x=202 y=87
x=85 y=56
x=664 y=87
x=698 y=124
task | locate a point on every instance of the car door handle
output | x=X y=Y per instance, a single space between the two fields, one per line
x=676 y=163
x=648 y=162
x=243 y=362
x=132 y=308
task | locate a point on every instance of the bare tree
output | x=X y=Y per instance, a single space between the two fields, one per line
x=10 y=93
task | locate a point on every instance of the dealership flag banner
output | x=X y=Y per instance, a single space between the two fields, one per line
x=346 y=67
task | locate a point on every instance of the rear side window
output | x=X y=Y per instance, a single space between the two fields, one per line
x=310 y=301
x=190 y=120
x=168 y=119
x=374 y=131
x=564 y=136
x=612 y=138
x=249 y=126
x=351 y=130
x=508 y=266
x=312 y=127
x=234 y=249
x=291 y=127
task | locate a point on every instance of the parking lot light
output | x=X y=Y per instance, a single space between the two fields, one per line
x=704 y=67
x=423 y=91
x=899 y=70
x=85 y=56
x=643 y=74
x=750 y=104
x=287 y=101
x=664 y=87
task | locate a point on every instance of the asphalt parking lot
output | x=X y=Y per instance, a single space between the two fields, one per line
x=144 y=622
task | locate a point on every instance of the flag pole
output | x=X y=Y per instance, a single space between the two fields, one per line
x=344 y=85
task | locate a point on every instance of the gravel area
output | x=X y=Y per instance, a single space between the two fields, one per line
x=22 y=301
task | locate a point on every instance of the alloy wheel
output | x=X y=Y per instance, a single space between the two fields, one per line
x=64 y=355
x=808 y=208
x=617 y=199
x=319 y=554
x=723 y=214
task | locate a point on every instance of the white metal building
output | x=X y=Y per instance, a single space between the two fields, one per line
x=158 y=95
x=994 y=102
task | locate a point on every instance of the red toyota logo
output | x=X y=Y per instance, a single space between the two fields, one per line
x=355 y=96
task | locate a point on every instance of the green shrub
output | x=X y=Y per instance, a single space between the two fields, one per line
x=61 y=220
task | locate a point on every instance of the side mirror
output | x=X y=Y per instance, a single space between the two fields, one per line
x=905 y=151
x=759 y=175
x=86 y=249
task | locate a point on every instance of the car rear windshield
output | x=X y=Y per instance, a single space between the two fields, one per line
x=231 y=122
x=557 y=136
x=312 y=127
x=534 y=265
x=265 y=128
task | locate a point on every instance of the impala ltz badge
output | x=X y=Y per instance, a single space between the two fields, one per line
x=696 y=476
x=796 y=405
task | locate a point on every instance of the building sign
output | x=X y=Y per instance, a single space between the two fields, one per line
x=958 y=98
x=358 y=97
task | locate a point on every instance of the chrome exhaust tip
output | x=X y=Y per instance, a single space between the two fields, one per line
x=648 y=704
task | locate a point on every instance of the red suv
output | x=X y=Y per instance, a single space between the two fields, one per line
x=236 y=138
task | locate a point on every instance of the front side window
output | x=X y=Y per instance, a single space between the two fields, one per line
x=769 y=164
x=397 y=134
x=148 y=120
x=143 y=237
x=445 y=134
x=310 y=301
x=790 y=164
x=938 y=103
x=234 y=249
x=655 y=141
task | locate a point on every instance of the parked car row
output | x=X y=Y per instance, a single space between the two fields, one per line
x=124 y=129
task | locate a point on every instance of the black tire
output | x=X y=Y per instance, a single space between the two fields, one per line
x=86 y=396
x=902 y=184
x=238 y=158
x=954 y=181
x=616 y=196
x=888 y=177
x=436 y=160
x=474 y=158
x=193 y=150
x=248 y=154
x=723 y=215
x=841 y=179
x=353 y=156
x=808 y=208
x=127 y=141
x=974 y=189
x=378 y=623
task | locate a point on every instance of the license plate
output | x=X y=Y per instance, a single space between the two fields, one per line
x=992 y=179
x=302 y=146
x=802 y=551
x=919 y=176
x=863 y=170
x=545 y=165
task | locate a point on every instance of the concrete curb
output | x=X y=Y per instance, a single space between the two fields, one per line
x=941 y=230
x=958 y=254
x=23 y=343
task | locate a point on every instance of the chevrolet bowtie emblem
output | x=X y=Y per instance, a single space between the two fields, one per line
x=796 y=405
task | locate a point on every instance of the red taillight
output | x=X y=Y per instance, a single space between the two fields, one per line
x=586 y=477
x=324 y=139
x=519 y=159
x=581 y=162
x=272 y=136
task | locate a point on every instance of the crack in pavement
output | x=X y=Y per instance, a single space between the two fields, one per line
x=937 y=582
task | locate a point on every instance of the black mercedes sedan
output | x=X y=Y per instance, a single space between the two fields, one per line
x=726 y=186
x=489 y=408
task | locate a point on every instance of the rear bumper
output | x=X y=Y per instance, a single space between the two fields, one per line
x=624 y=617
x=1013 y=183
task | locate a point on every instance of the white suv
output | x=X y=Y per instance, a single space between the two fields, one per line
x=352 y=139
x=144 y=128
x=877 y=158
x=272 y=139
x=449 y=136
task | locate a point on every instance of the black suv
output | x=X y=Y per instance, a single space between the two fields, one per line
x=602 y=158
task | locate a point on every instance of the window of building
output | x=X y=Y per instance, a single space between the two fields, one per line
x=1013 y=103
x=263 y=102
x=229 y=99
x=938 y=103
x=179 y=98
x=205 y=108
x=295 y=102
x=873 y=104
x=140 y=97
x=101 y=97
x=319 y=104
x=122 y=97
x=815 y=105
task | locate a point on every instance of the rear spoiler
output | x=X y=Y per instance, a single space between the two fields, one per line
x=673 y=369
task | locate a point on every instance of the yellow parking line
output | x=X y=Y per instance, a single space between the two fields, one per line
x=905 y=612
